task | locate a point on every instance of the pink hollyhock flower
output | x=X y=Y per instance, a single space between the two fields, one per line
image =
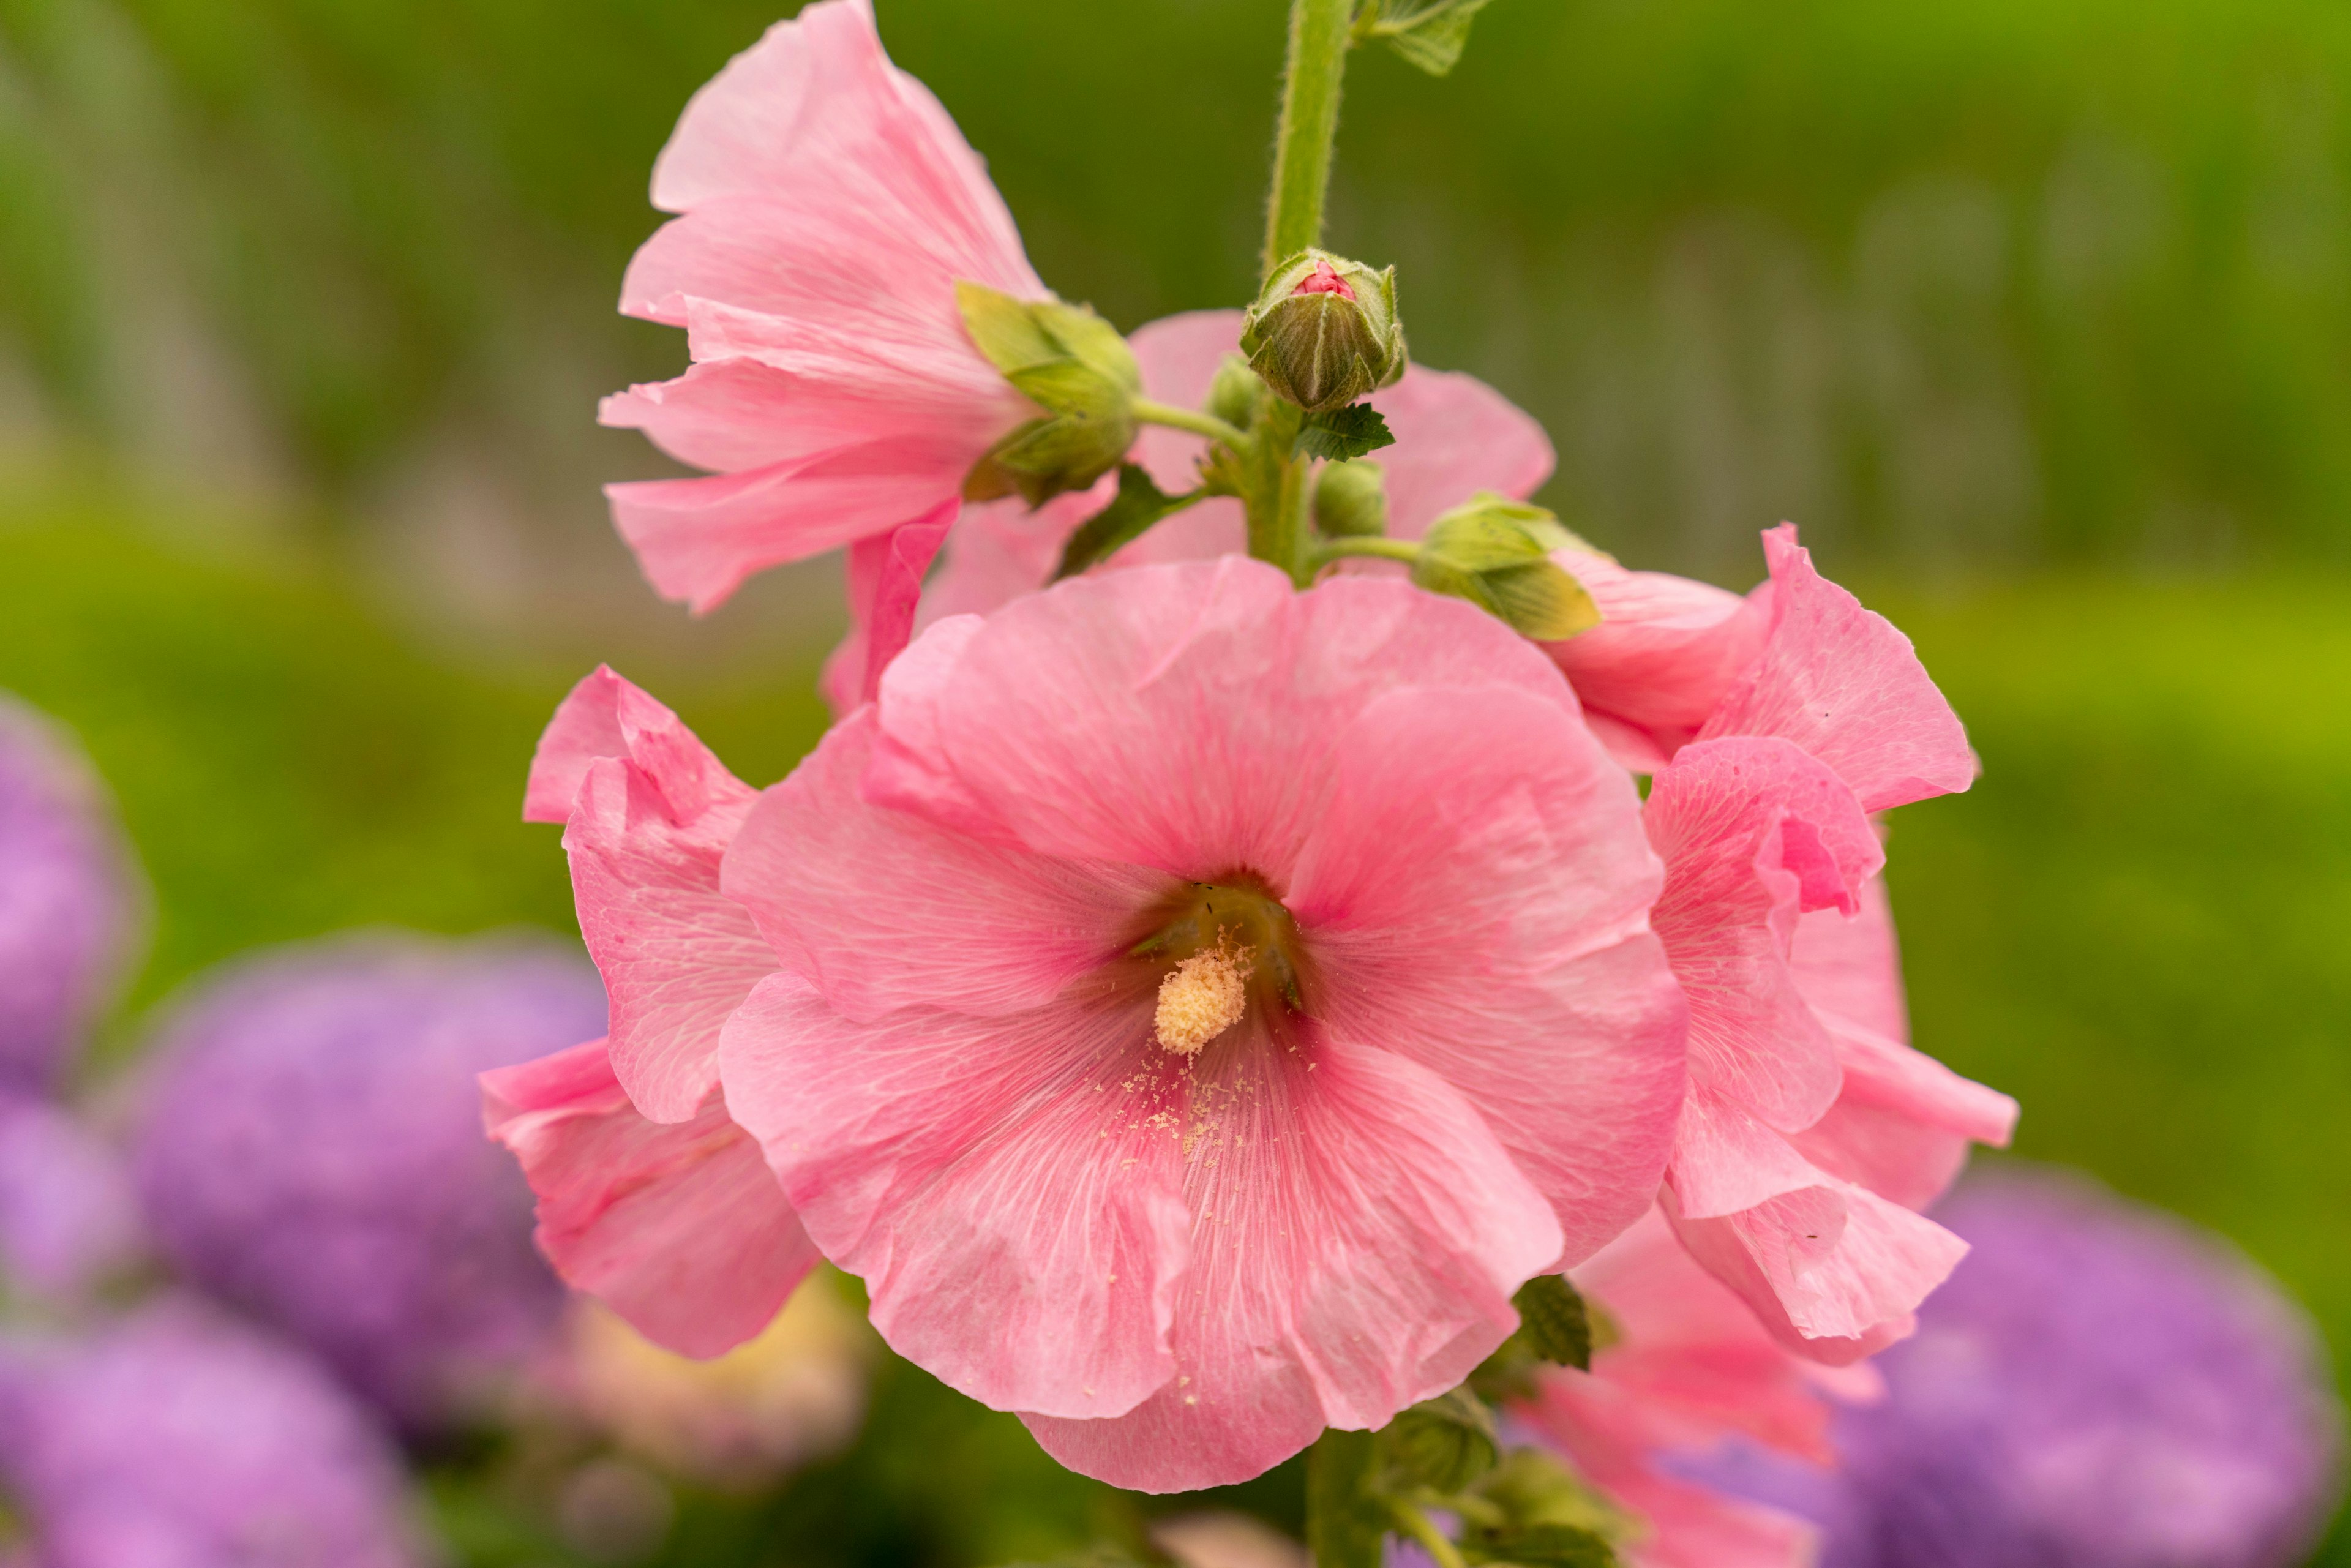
x=1193 y=1007
x=1455 y=436
x=1689 y=1368
x=1811 y=1130
x=827 y=207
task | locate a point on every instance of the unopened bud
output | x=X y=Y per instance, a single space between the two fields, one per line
x=1324 y=332
x=1495 y=552
x=1235 y=394
x=1073 y=364
x=1350 y=500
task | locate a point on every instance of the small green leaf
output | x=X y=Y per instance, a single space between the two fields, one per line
x=1439 y=1444
x=1344 y=1519
x=1138 y=504
x=1554 y=1323
x=1543 y=1546
x=1342 y=434
x=1430 y=33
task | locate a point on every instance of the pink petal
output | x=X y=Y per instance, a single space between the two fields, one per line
x=680 y=1229
x=882 y=909
x=1752 y=832
x=1847 y=687
x=1195 y=757
x=1665 y=653
x=1849 y=966
x=1476 y=893
x=1010 y=1189
x=648 y=820
x=1359 y=1234
x=1455 y=437
x=1833 y=1272
x=697 y=540
x=885 y=582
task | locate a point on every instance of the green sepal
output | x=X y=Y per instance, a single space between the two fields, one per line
x=1140 y=503
x=1323 y=350
x=1236 y=393
x=1350 y=501
x=1531 y=1509
x=1441 y=1445
x=1344 y=435
x=1430 y=33
x=1543 y=1546
x=1073 y=364
x=1496 y=553
x=1346 y=1519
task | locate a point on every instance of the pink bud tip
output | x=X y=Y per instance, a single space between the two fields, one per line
x=1323 y=280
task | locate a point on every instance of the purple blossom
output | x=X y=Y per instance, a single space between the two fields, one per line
x=2097 y=1386
x=310 y=1149
x=67 y=899
x=68 y=1215
x=176 y=1438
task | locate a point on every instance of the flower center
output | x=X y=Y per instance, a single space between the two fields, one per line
x=1227 y=943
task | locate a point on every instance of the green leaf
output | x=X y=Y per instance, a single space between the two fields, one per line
x=1345 y=1519
x=1441 y=1445
x=1543 y=1546
x=1138 y=504
x=1342 y=434
x=1430 y=33
x=1553 y=1322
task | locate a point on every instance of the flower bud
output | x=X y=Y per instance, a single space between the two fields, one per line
x=1350 y=500
x=1235 y=394
x=1496 y=553
x=1324 y=332
x=1073 y=364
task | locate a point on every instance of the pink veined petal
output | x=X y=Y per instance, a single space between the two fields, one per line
x=1752 y=832
x=680 y=1229
x=1357 y=1235
x=1846 y=687
x=697 y=540
x=1009 y=1190
x=1833 y=1272
x=1903 y=1123
x=650 y=812
x=817 y=103
x=1476 y=893
x=1665 y=655
x=882 y=909
x=1455 y=437
x=1211 y=689
x=885 y=582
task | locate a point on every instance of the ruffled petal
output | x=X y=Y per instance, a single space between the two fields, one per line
x=1358 y=1236
x=651 y=813
x=1010 y=1189
x=1665 y=655
x=1846 y=685
x=886 y=583
x=680 y=1229
x=1476 y=893
x=882 y=909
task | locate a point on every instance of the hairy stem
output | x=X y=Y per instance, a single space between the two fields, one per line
x=1193 y=420
x=1329 y=551
x=1432 y=1539
x=1310 y=122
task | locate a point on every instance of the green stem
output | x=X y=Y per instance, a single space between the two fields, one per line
x=1193 y=420
x=1417 y=1524
x=1309 y=123
x=1329 y=551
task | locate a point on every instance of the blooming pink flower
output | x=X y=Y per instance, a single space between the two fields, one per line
x=1809 y=1125
x=1197 y=1006
x=1454 y=435
x=826 y=208
x=1689 y=1368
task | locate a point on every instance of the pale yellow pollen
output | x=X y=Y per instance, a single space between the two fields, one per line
x=1200 y=998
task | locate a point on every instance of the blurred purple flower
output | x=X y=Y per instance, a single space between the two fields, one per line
x=68 y=898
x=310 y=1146
x=176 y=1438
x=2098 y=1385
x=68 y=1215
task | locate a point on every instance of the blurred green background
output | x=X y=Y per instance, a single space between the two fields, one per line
x=2036 y=318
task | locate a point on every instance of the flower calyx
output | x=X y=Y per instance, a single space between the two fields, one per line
x=1324 y=331
x=1496 y=553
x=1073 y=364
x=1350 y=500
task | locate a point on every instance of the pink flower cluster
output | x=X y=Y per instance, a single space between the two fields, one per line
x=1195 y=1006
